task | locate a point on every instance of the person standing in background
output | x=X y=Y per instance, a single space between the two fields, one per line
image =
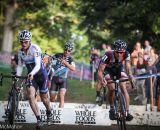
x=134 y=55
x=147 y=49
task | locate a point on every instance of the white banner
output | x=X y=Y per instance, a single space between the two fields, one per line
x=74 y=114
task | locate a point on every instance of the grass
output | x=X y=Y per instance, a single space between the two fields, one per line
x=80 y=92
x=77 y=92
x=4 y=89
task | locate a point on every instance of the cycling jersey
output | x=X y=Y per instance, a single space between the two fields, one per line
x=114 y=66
x=60 y=70
x=35 y=66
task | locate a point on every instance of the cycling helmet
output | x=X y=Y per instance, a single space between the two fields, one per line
x=120 y=45
x=69 y=46
x=25 y=35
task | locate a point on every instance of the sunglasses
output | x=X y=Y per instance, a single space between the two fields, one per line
x=24 y=42
x=119 y=52
x=68 y=50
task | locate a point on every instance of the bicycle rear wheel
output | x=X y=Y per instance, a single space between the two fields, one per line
x=121 y=115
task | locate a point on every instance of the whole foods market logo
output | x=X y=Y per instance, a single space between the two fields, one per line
x=20 y=115
x=85 y=117
x=56 y=117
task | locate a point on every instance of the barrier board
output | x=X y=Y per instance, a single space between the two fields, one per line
x=86 y=114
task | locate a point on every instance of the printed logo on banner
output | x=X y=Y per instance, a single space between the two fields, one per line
x=56 y=117
x=20 y=115
x=85 y=117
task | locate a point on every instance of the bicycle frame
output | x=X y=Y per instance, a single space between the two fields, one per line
x=120 y=105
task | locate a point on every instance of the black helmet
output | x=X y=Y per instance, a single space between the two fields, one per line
x=69 y=46
x=120 y=45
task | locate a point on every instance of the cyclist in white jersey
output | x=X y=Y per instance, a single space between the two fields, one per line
x=30 y=55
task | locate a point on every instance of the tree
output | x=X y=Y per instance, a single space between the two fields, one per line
x=122 y=19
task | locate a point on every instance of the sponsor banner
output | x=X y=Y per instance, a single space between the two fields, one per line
x=74 y=114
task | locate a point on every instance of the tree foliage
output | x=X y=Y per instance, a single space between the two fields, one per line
x=85 y=22
x=130 y=20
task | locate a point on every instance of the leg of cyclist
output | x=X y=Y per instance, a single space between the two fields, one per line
x=62 y=89
x=98 y=88
x=33 y=103
x=54 y=89
x=111 y=97
x=43 y=90
x=126 y=96
x=53 y=95
x=62 y=95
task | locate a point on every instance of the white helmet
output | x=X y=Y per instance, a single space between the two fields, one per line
x=25 y=35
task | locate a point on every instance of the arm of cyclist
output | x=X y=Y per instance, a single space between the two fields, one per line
x=100 y=74
x=129 y=73
x=20 y=65
x=70 y=66
x=37 y=59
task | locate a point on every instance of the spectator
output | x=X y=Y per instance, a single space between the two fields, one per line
x=151 y=83
x=147 y=49
x=140 y=69
x=94 y=62
x=134 y=54
x=103 y=50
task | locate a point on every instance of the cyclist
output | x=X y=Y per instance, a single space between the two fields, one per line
x=61 y=64
x=30 y=55
x=112 y=64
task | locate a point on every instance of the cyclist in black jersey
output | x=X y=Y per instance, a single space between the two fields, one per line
x=61 y=64
x=112 y=67
x=30 y=55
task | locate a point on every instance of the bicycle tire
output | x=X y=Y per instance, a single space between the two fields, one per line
x=121 y=117
x=13 y=108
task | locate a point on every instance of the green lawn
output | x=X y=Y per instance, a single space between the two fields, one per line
x=4 y=89
x=80 y=92
x=77 y=92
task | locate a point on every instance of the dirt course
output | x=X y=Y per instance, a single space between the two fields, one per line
x=80 y=127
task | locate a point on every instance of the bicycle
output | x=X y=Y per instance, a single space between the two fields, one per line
x=119 y=101
x=119 y=104
x=13 y=98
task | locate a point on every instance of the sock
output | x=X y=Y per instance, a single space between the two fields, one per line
x=98 y=93
x=111 y=107
x=48 y=112
x=38 y=117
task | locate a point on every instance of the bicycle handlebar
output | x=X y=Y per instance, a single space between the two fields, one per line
x=118 y=80
x=54 y=58
x=13 y=76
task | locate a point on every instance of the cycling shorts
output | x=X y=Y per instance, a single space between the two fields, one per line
x=58 y=84
x=109 y=77
x=40 y=81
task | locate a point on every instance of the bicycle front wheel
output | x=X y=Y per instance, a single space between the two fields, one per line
x=121 y=115
x=12 y=108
